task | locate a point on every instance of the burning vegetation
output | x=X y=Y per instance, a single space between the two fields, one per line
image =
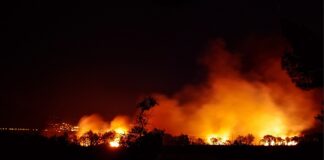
x=239 y=104
x=243 y=94
x=93 y=130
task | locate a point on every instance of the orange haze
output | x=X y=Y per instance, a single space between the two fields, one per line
x=120 y=124
x=234 y=102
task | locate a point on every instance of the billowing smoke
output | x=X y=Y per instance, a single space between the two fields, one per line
x=97 y=124
x=243 y=94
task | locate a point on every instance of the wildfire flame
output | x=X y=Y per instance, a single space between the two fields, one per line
x=214 y=139
x=114 y=143
x=119 y=125
x=234 y=102
x=273 y=143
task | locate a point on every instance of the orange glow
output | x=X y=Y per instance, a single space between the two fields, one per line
x=221 y=139
x=114 y=143
x=278 y=143
x=119 y=125
x=292 y=143
x=92 y=123
x=231 y=102
x=96 y=124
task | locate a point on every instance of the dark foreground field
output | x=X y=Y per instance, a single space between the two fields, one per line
x=242 y=153
x=36 y=147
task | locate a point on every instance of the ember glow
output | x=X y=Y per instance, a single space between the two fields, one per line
x=232 y=102
x=119 y=127
x=114 y=143
x=274 y=143
x=96 y=124
x=260 y=106
x=214 y=139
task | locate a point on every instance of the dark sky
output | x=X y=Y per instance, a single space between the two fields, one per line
x=70 y=59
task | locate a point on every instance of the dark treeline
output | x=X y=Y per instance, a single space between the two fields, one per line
x=150 y=146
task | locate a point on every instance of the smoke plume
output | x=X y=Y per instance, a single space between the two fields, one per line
x=245 y=93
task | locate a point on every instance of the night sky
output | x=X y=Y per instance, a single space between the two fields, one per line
x=66 y=60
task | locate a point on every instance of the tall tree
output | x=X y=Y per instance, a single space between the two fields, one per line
x=304 y=61
x=139 y=130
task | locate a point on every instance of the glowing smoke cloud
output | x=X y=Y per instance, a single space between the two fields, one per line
x=234 y=102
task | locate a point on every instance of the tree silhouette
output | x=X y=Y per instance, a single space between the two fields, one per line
x=198 y=141
x=215 y=141
x=107 y=136
x=142 y=119
x=153 y=139
x=94 y=139
x=244 y=140
x=279 y=141
x=250 y=139
x=89 y=139
x=182 y=140
x=139 y=129
x=269 y=140
x=303 y=62
x=227 y=142
x=147 y=104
